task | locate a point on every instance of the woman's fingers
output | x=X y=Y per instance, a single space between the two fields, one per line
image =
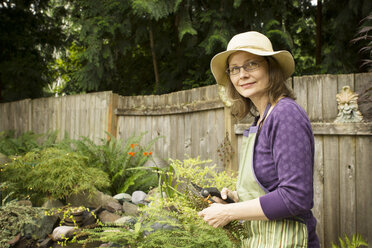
x=232 y=194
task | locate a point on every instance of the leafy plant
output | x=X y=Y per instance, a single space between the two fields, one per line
x=54 y=173
x=13 y=220
x=356 y=241
x=10 y=144
x=115 y=157
x=177 y=211
x=365 y=34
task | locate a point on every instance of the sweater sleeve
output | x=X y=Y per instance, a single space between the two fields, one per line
x=292 y=144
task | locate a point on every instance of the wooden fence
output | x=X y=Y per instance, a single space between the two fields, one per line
x=196 y=123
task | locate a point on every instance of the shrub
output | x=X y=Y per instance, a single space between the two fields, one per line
x=52 y=172
x=28 y=141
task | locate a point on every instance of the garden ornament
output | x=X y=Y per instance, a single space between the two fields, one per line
x=255 y=43
x=347 y=102
x=207 y=193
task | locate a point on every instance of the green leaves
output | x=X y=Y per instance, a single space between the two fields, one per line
x=356 y=241
x=52 y=172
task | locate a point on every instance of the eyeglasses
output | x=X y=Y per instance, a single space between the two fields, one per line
x=249 y=66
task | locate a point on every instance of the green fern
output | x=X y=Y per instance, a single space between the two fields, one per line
x=113 y=157
x=355 y=242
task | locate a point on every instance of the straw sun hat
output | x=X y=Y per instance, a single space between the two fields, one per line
x=255 y=43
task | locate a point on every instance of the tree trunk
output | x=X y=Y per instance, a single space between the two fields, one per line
x=155 y=64
x=318 y=55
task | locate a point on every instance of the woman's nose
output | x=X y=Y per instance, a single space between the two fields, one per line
x=243 y=73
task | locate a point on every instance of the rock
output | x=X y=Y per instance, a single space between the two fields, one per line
x=114 y=207
x=94 y=201
x=157 y=226
x=52 y=203
x=130 y=209
x=62 y=232
x=126 y=220
x=4 y=159
x=89 y=217
x=108 y=217
x=138 y=197
x=25 y=203
x=110 y=244
x=46 y=243
x=45 y=225
x=122 y=197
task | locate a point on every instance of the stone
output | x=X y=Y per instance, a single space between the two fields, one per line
x=25 y=203
x=94 y=201
x=138 y=197
x=4 y=159
x=62 y=232
x=122 y=197
x=45 y=225
x=126 y=220
x=46 y=243
x=130 y=209
x=114 y=207
x=52 y=203
x=108 y=217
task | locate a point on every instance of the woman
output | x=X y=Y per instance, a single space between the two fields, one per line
x=275 y=182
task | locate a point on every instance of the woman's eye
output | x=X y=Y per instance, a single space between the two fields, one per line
x=252 y=64
x=235 y=69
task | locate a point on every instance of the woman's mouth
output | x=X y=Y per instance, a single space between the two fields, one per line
x=247 y=85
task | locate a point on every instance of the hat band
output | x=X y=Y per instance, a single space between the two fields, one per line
x=251 y=47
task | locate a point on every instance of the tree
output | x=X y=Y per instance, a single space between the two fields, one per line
x=28 y=39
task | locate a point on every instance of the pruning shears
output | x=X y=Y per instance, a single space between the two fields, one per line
x=208 y=192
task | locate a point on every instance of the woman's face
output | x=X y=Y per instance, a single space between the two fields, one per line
x=251 y=84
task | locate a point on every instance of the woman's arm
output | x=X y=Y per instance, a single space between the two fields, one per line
x=218 y=215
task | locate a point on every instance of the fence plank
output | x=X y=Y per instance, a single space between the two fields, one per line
x=314 y=98
x=347 y=185
x=318 y=187
x=329 y=102
x=195 y=125
x=362 y=81
x=345 y=80
x=331 y=205
x=300 y=85
x=181 y=135
x=363 y=173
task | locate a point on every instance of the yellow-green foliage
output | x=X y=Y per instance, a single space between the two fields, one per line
x=355 y=242
x=52 y=172
x=13 y=219
x=202 y=173
x=179 y=211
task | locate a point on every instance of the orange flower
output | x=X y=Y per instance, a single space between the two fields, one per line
x=150 y=153
x=145 y=153
x=131 y=153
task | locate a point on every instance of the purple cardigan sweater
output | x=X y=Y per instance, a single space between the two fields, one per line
x=283 y=162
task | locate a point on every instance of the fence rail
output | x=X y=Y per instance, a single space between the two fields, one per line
x=196 y=123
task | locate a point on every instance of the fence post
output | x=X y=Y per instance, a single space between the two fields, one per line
x=230 y=121
x=112 y=118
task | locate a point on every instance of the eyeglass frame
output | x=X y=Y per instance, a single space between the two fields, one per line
x=244 y=65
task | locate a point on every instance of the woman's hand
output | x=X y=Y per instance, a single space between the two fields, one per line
x=216 y=215
x=224 y=193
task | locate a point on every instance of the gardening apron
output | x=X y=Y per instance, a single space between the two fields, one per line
x=263 y=233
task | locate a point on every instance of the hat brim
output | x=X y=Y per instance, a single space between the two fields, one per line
x=218 y=63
